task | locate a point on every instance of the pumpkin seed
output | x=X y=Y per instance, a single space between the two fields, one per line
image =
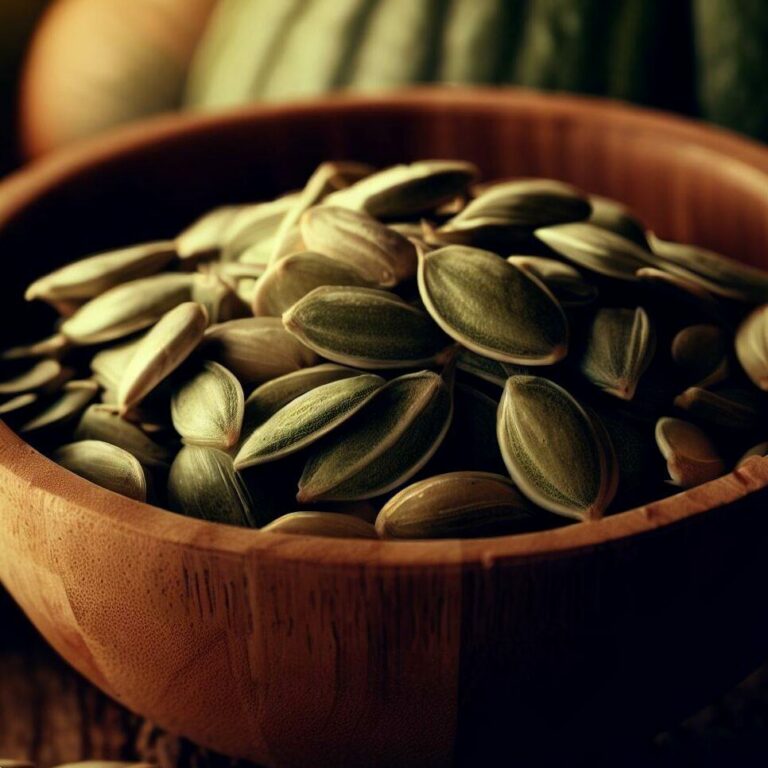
x=382 y=445
x=106 y=465
x=127 y=308
x=70 y=403
x=270 y=397
x=730 y=408
x=616 y=218
x=255 y=225
x=93 y=275
x=207 y=409
x=326 y=178
x=719 y=275
x=691 y=456
x=526 y=203
x=164 y=348
x=554 y=450
x=204 y=238
x=293 y=277
x=492 y=307
x=620 y=347
x=306 y=419
x=379 y=253
x=108 y=365
x=52 y=346
x=219 y=298
x=566 y=283
x=18 y=408
x=364 y=327
x=597 y=249
x=203 y=483
x=457 y=505
x=752 y=346
x=100 y=423
x=700 y=353
x=404 y=190
x=46 y=375
x=257 y=349
x=329 y=524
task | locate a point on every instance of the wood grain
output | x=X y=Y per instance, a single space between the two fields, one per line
x=286 y=650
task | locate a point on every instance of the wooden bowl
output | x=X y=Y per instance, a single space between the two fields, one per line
x=297 y=651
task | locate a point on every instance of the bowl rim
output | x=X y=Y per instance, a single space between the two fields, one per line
x=43 y=477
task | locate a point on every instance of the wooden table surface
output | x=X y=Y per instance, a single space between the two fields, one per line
x=50 y=715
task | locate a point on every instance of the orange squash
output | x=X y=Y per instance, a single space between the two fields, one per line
x=97 y=63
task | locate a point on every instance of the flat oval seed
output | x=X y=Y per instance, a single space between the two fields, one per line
x=268 y=398
x=379 y=253
x=597 y=249
x=731 y=408
x=700 y=353
x=207 y=409
x=108 y=365
x=43 y=375
x=71 y=402
x=384 y=444
x=106 y=465
x=53 y=346
x=218 y=296
x=329 y=524
x=17 y=404
x=204 y=237
x=567 y=284
x=93 y=275
x=616 y=218
x=620 y=347
x=524 y=203
x=101 y=423
x=553 y=449
x=404 y=190
x=458 y=505
x=255 y=225
x=492 y=307
x=290 y=279
x=167 y=345
x=718 y=274
x=752 y=346
x=257 y=349
x=127 y=308
x=306 y=419
x=691 y=456
x=203 y=483
x=326 y=178
x=365 y=327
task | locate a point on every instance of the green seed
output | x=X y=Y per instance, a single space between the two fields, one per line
x=384 y=444
x=106 y=465
x=207 y=409
x=306 y=419
x=365 y=327
x=557 y=453
x=492 y=307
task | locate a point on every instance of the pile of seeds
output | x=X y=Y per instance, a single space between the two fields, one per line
x=405 y=346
